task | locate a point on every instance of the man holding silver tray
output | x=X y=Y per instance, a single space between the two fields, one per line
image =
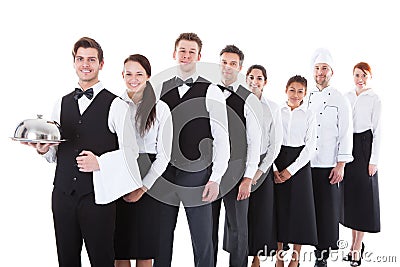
x=96 y=162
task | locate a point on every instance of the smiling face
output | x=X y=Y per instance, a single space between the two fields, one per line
x=256 y=82
x=295 y=92
x=87 y=66
x=230 y=67
x=186 y=55
x=322 y=75
x=135 y=78
x=361 y=78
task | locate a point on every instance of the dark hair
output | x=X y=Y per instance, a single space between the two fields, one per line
x=86 y=42
x=233 y=49
x=257 y=67
x=189 y=36
x=297 y=79
x=363 y=66
x=146 y=112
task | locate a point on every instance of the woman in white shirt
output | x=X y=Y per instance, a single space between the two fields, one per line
x=296 y=222
x=261 y=213
x=137 y=219
x=361 y=210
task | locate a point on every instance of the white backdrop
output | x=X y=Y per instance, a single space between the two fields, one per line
x=36 y=69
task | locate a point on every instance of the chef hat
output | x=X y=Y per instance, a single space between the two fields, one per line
x=322 y=55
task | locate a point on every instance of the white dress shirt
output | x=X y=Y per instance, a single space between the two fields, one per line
x=216 y=107
x=299 y=129
x=272 y=135
x=157 y=140
x=119 y=173
x=334 y=127
x=367 y=116
x=253 y=114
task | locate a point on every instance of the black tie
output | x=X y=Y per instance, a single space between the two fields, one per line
x=79 y=93
x=180 y=82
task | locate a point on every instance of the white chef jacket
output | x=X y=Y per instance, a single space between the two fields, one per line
x=299 y=129
x=334 y=127
x=112 y=180
x=253 y=114
x=366 y=109
x=216 y=107
x=157 y=140
x=272 y=133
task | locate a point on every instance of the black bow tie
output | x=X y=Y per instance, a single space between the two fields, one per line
x=180 y=82
x=227 y=88
x=79 y=93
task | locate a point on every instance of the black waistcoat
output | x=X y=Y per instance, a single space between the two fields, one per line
x=88 y=131
x=192 y=139
x=237 y=122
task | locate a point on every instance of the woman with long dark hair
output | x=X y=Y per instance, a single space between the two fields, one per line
x=361 y=210
x=137 y=220
x=261 y=213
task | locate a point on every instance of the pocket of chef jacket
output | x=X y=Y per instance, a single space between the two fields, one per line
x=330 y=121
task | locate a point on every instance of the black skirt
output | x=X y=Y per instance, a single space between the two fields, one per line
x=360 y=191
x=137 y=224
x=296 y=221
x=262 y=217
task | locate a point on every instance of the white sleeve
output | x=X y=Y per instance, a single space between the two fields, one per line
x=164 y=145
x=345 y=125
x=275 y=141
x=51 y=155
x=119 y=172
x=216 y=106
x=253 y=115
x=376 y=131
x=309 y=147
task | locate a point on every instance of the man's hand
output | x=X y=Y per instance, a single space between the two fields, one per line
x=244 y=188
x=41 y=148
x=337 y=173
x=135 y=195
x=87 y=162
x=210 y=192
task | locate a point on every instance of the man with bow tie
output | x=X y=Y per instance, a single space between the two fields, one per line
x=244 y=119
x=95 y=165
x=200 y=152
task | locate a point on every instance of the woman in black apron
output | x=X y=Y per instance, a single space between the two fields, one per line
x=262 y=213
x=296 y=223
x=361 y=210
x=137 y=220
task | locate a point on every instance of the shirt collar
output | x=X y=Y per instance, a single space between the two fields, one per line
x=302 y=107
x=367 y=92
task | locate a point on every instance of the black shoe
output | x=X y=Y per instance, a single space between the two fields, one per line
x=347 y=257
x=358 y=262
x=355 y=263
x=321 y=258
x=321 y=263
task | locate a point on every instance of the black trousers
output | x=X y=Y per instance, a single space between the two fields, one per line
x=199 y=218
x=236 y=223
x=327 y=208
x=78 y=219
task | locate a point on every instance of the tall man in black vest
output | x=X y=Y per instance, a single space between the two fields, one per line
x=92 y=169
x=244 y=117
x=200 y=152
